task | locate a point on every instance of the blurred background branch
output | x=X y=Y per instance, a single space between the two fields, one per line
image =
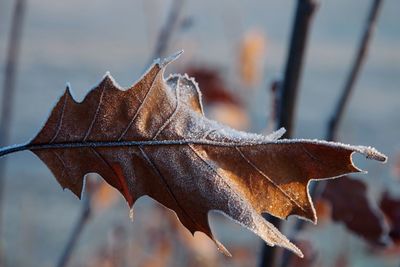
x=10 y=76
x=338 y=114
x=359 y=60
x=168 y=29
x=288 y=93
x=83 y=219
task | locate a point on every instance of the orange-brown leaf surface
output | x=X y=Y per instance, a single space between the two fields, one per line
x=153 y=139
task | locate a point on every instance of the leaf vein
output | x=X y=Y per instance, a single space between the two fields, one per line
x=172 y=116
x=95 y=114
x=138 y=109
x=269 y=179
x=60 y=120
x=157 y=171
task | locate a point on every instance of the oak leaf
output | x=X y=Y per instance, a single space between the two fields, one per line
x=153 y=139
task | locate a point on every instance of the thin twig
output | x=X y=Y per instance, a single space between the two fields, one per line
x=14 y=45
x=274 y=92
x=359 y=60
x=84 y=217
x=171 y=24
x=337 y=116
x=304 y=13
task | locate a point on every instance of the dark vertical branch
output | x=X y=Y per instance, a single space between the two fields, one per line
x=337 y=116
x=274 y=104
x=14 y=45
x=293 y=70
x=84 y=217
x=361 y=54
x=287 y=106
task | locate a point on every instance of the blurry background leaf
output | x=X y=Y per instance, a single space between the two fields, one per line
x=391 y=208
x=220 y=101
x=252 y=51
x=213 y=87
x=104 y=196
x=324 y=209
x=229 y=114
x=351 y=206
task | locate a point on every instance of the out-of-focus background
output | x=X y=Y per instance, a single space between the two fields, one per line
x=238 y=45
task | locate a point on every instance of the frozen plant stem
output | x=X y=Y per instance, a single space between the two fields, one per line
x=288 y=92
x=337 y=116
x=14 y=45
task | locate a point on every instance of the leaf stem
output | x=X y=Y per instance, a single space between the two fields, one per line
x=369 y=152
x=12 y=149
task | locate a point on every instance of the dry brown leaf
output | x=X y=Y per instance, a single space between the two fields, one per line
x=104 y=197
x=153 y=139
x=228 y=114
x=350 y=205
x=323 y=209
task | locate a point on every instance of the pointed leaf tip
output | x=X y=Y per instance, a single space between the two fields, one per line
x=164 y=62
x=222 y=248
x=372 y=153
x=107 y=77
x=68 y=93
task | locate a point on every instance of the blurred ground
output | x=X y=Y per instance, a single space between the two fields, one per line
x=78 y=42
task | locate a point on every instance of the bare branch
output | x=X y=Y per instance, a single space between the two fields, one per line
x=84 y=217
x=14 y=45
x=337 y=116
x=359 y=60
x=287 y=106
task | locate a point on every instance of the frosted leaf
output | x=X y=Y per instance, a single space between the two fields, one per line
x=153 y=139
